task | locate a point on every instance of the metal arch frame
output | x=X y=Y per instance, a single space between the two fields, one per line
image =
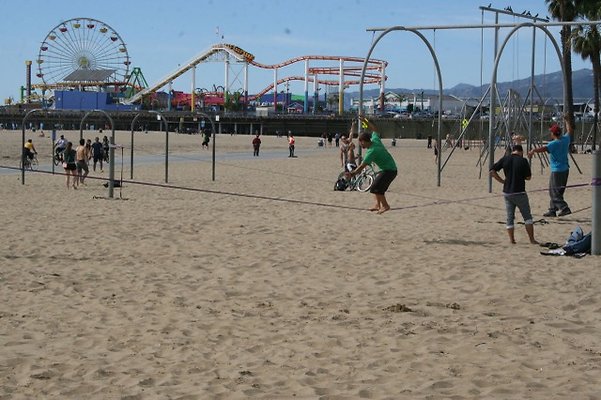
x=111 y=147
x=163 y=120
x=25 y=118
x=493 y=83
x=438 y=72
x=202 y=114
x=414 y=29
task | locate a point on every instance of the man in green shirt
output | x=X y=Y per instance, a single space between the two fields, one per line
x=376 y=153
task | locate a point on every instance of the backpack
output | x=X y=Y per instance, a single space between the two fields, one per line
x=341 y=184
x=578 y=242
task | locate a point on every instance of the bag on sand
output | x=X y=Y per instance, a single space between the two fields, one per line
x=341 y=184
x=578 y=242
x=577 y=245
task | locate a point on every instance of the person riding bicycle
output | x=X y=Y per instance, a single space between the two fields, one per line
x=29 y=149
x=59 y=147
x=347 y=151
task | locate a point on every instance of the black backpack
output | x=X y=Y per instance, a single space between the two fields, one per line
x=341 y=184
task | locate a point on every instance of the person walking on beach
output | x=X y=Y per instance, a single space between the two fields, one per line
x=97 y=153
x=69 y=165
x=517 y=171
x=81 y=159
x=256 y=145
x=558 y=149
x=291 y=142
x=206 y=140
x=376 y=153
x=105 y=149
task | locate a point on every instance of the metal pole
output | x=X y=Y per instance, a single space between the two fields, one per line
x=214 y=136
x=131 y=151
x=23 y=152
x=111 y=161
x=493 y=106
x=166 y=155
x=529 y=139
x=596 y=218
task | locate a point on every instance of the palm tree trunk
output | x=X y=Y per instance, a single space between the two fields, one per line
x=566 y=34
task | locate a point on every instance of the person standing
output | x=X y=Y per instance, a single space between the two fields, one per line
x=517 y=171
x=376 y=153
x=256 y=145
x=206 y=139
x=105 y=149
x=558 y=149
x=81 y=159
x=347 y=151
x=70 y=165
x=59 y=147
x=97 y=153
x=291 y=142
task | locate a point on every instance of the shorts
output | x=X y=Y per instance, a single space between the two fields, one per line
x=71 y=167
x=82 y=166
x=97 y=158
x=383 y=181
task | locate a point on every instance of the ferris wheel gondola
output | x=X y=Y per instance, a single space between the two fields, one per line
x=83 y=49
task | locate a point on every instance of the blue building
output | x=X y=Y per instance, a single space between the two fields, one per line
x=80 y=100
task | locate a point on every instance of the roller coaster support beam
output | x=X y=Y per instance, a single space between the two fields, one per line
x=306 y=105
x=275 y=90
x=192 y=94
x=341 y=88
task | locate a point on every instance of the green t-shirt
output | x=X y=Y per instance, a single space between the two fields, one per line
x=377 y=154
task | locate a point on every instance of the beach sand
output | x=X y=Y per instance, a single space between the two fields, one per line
x=267 y=284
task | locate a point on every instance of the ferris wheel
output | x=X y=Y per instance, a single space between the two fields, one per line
x=83 y=49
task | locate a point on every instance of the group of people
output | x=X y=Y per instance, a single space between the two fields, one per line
x=256 y=143
x=76 y=161
x=516 y=170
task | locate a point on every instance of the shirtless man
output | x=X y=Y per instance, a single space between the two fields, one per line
x=81 y=159
x=347 y=151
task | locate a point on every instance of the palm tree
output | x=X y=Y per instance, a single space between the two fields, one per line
x=587 y=42
x=565 y=10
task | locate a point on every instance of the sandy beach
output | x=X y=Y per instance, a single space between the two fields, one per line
x=268 y=284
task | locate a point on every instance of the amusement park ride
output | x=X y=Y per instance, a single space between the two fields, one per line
x=86 y=64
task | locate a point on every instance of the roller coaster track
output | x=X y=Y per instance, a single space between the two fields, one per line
x=242 y=56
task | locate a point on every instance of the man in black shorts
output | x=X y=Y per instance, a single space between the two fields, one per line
x=377 y=153
x=97 y=153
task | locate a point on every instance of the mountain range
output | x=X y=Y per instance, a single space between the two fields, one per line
x=548 y=85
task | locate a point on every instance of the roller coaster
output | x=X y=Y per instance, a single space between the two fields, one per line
x=347 y=69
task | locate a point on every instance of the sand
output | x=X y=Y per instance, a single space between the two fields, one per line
x=267 y=284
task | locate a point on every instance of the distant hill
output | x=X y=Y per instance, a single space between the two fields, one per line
x=549 y=85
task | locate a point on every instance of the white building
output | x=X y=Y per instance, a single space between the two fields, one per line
x=404 y=101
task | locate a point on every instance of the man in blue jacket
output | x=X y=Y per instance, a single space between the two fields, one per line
x=558 y=149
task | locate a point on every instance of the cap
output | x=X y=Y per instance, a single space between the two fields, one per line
x=555 y=129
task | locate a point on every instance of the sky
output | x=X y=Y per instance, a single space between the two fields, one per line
x=161 y=35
